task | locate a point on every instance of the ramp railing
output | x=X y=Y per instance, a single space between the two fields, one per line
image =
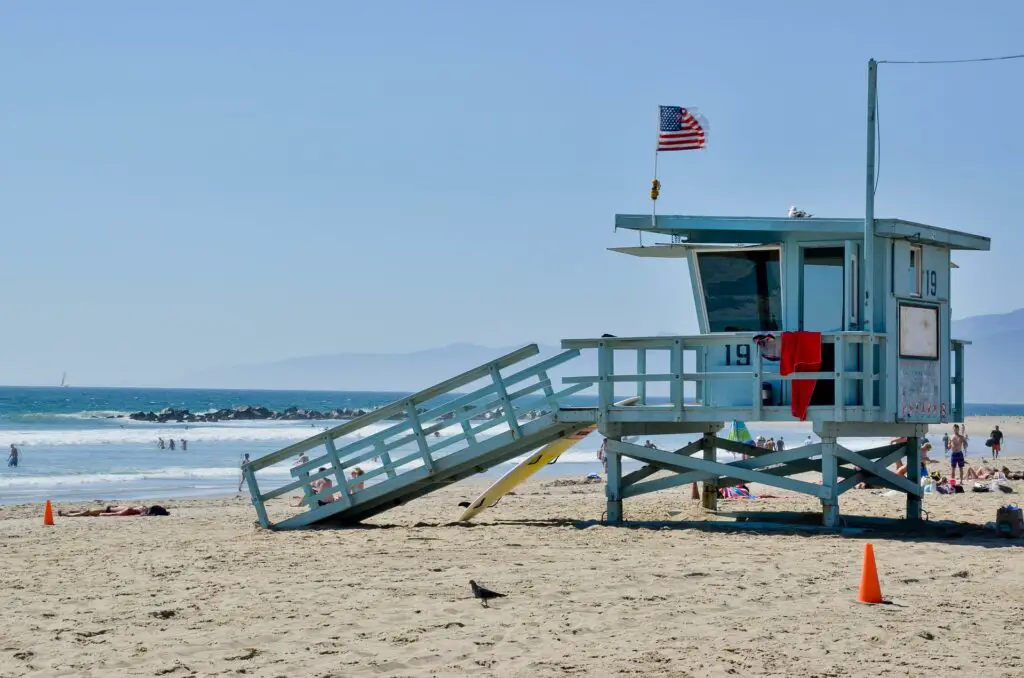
x=401 y=441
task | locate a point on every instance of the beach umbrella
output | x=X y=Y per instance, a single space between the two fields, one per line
x=739 y=433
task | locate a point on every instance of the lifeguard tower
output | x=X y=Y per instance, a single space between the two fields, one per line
x=841 y=322
x=784 y=336
x=765 y=287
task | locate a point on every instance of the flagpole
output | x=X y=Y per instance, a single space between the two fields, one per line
x=656 y=185
x=867 y=261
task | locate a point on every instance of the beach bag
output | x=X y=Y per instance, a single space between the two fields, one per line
x=988 y=443
x=1010 y=522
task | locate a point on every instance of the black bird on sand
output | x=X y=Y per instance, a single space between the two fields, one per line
x=483 y=594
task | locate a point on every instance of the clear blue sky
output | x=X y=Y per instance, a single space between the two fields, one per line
x=194 y=184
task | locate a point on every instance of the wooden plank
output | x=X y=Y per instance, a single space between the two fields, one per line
x=643 y=379
x=716 y=469
x=709 y=497
x=451 y=406
x=297 y=484
x=339 y=472
x=508 y=408
x=455 y=408
x=861 y=476
x=613 y=486
x=641 y=369
x=346 y=452
x=693 y=341
x=877 y=470
x=385 y=458
x=790 y=461
x=914 y=476
x=398 y=406
x=415 y=482
x=647 y=471
x=254 y=492
x=606 y=370
x=737 y=447
x=675 y=389
x=829 y=480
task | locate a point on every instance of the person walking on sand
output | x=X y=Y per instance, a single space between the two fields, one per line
x=997 y=442
x=241 y=464
x=957 y=448
x=602 y=454
x=12 y=458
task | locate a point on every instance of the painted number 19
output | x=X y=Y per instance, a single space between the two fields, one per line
x=741 y=356
x=931 y=283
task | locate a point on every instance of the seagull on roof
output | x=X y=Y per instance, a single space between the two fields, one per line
x=800 y=214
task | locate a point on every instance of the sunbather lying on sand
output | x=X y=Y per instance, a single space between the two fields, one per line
x=984 y=473
x=116 y=511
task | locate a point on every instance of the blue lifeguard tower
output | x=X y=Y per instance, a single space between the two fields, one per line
x=842 y=322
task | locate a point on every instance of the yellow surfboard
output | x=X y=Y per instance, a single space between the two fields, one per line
x=548 y=454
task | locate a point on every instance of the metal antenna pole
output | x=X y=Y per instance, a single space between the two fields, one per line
x=868 y=260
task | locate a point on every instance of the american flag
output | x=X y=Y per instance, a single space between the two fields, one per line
x=681 y=129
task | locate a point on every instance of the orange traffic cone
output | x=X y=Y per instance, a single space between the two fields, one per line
x=694 y=492
x=48 y=514
x=870 y=592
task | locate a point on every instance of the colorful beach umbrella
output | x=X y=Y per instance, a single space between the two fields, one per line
x=740 y=433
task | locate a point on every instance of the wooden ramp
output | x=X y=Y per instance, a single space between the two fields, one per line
x=416 y=445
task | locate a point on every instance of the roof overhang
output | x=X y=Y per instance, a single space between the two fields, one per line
x=764 y=230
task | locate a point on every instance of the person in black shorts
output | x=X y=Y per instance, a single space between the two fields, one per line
x=997 y=442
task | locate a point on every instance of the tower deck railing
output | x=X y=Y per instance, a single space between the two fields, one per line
x=857 y=395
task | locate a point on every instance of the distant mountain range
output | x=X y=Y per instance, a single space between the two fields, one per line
x=995 y=366
x=403 y=372
x=994 y=362
x=395 y=372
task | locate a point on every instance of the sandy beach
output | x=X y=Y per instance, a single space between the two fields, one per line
x=205 y=592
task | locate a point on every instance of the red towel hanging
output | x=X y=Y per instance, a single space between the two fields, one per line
x=801 y=352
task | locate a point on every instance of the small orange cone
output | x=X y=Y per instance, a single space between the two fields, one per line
x=870 y=592
x=48 y=514
x=694 y=492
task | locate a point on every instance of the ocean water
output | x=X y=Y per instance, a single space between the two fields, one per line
x=72 y=451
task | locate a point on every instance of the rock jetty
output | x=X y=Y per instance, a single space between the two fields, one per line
x=244 y=413
x=250 y=413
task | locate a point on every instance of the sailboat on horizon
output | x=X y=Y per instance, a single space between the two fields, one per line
x=64 y=380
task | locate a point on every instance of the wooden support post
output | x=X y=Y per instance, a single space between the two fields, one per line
x=914 y=475
x=709 y=499
x=549 y=391
x=958 y=393
x=506 y=403
x=829 y=483
x=613 y=487
x=467 y=429
x=257 y=499
x=339 y=473
x=641 y=369
x=675 y=387
x=421 y=438
x=605 y=372
x=385 y=458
